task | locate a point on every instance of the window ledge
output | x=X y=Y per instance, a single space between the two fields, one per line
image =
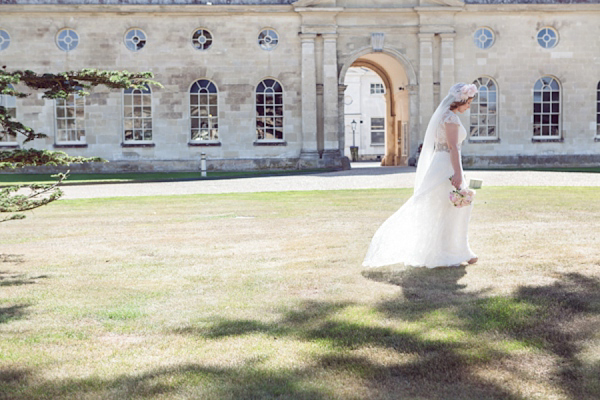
x=70 y=145
x=494 y=140
x=8 y=146
x=200 y=143
x=597 y=139
x=138 y=145
x=377 y=144
x=265 y=143
x=539 y=140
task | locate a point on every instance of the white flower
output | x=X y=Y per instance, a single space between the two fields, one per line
x=467 y=91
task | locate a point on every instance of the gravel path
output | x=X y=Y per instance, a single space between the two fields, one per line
x=361 y=176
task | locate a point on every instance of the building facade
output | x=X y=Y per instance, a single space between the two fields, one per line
x=261 y=84
x=364 y=114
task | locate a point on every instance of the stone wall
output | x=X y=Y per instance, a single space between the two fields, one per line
x=516 y=62
x=436 y=42
x=235 y=63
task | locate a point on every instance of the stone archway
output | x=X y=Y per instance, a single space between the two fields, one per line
x=399 y=78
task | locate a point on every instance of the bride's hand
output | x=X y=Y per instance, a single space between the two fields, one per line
x=457 y=181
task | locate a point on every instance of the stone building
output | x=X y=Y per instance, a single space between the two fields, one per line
x=260 y=84
x=364 y=114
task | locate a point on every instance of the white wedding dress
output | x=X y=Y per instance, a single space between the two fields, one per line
x=427 y=231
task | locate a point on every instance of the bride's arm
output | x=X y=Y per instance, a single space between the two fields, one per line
x=452 y=138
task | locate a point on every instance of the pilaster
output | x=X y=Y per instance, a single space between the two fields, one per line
x=447 y=73
x=341 y=122
x=413 y=128
x=425 y=82
x=330 y=92
x=309 y=95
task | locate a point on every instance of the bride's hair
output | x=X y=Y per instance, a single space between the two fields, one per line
x=457 y=104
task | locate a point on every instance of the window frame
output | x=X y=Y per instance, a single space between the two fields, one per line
x=478 y=42
x=7 y=39
x=125 y=40
x=277 y=39
x=371 y=131
x=256 y=114
x=547 y=28
x=211 y=40
x=540 y=137
x=374 y=86
x=210 y=117
x=597 y=137
x=4 y=102
x=57 y=40
x=476 y=102
x=57 y=118
x=124 y=118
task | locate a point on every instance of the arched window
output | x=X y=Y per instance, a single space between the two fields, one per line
x=137 y=115
x=598 y=111
x=70 y=119
x=484 y=110
x=269 y=110
x=10 y=104
x=546 y=108
x=204 y=111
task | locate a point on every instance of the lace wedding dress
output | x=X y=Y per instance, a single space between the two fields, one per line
x=428 y=231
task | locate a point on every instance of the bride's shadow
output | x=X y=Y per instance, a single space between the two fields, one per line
x=423 y=289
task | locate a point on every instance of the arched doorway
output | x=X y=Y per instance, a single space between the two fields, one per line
x=399 y=90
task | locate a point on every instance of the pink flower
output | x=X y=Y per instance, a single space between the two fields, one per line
x=468 y=91
x=462 y=197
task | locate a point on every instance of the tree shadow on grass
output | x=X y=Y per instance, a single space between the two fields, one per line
x=556 y=319
x=11 y=279
x=380 y=361
x=12 y=313
x=425 y=367
x=247 y=381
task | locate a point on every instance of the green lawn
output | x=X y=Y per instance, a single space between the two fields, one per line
x=262 y=296
x=22 y=179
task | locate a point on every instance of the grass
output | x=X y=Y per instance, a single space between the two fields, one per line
x=551 y=169
x=248 y=296
x=87 y=178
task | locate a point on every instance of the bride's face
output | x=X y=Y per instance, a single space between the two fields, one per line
x=462 y=108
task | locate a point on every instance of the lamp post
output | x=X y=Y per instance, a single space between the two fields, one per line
x=353 y=148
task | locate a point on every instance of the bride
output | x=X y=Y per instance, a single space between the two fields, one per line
x=428 y=231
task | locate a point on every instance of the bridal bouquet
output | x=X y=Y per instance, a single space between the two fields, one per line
x=462 y=197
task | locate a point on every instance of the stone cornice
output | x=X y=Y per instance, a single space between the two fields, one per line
x=438 y=9
x=281 y=9
x=533 y=8
x=318 y=9
x=145 y=9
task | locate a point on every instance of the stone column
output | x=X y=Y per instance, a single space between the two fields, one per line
x=330 y=93
x=309 y=97
x=426 y=105
x=413 y=133
x=341 y=118
x=447 y=76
